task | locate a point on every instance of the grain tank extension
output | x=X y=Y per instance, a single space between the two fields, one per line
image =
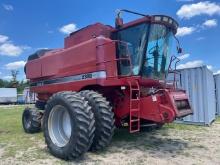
x=104 y=77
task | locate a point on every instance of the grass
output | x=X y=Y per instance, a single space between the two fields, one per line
x=178 y=126
x=14 y=140
x=28 y=147
x=217 y=119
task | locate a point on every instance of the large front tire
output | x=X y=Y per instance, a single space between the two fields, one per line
x=104 y=119
x=68 y=125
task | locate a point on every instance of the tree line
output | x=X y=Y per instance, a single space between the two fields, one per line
x=14 y=83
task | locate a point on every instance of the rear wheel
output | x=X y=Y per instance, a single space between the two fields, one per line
x=68 y=125
x=31 y=120
x=104 y=119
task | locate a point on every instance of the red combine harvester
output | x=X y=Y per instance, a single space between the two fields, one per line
x=102 y=78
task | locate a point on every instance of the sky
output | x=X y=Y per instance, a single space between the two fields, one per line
x=26 y=26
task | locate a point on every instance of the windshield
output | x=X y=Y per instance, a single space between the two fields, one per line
x=149 y=46
x=157 y=53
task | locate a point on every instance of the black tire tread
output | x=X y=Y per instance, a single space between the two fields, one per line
x=104 y=119
x=84 y=124
x=35 y=116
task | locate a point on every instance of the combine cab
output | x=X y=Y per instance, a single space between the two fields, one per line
x=103 y=78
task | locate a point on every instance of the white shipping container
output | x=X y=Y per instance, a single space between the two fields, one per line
x=8 y=95
x=200 y=87
x=217 y=93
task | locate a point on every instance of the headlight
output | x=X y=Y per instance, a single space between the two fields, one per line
x=157 y=18
x=165 y=19
x=170 y=21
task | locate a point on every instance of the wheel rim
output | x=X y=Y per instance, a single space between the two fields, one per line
x=59 y=125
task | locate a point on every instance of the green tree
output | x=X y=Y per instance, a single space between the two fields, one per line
x=14 y=83
x=4 y=83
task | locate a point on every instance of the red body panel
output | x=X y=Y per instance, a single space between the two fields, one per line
x=34 y=69
x=87 y=33
x=89 y=52
x=89 y=56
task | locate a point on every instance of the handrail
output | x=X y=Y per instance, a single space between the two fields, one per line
x=174 y=71
x=115 y=41
x=127 y=58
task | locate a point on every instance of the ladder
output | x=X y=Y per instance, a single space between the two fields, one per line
x=134 y=122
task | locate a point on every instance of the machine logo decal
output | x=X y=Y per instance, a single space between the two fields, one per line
x=86 y=76
x=93 y=75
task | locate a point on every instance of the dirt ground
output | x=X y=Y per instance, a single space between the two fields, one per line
x=173 y=144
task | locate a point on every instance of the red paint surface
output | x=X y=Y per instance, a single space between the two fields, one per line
x=91 y=50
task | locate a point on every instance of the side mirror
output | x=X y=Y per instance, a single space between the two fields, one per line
x=179 y=50
x=118 y=22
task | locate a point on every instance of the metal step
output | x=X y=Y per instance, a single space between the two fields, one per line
x=134 y=102
x=135 y=120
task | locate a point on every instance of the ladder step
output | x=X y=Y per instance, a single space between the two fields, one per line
x=135 y=120
x=135 y=99
x=134 y=107
x=135 y=110
x=135 y=89
x=133 y=131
